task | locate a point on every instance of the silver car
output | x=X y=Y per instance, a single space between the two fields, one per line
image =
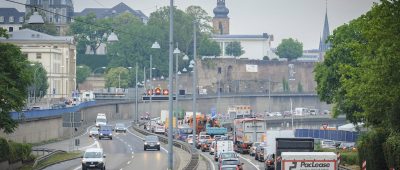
x=94 y=131
x=120 y=127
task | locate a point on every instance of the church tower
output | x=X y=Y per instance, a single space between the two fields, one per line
x=323 y=44
x=221 y=19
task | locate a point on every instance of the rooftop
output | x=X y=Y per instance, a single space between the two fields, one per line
x=31 y=35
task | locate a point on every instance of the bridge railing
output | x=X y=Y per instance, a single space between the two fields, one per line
x=48 y=113
x=194 y=159
x=336 y=135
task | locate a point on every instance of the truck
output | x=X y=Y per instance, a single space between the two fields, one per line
x=309 y=161
x=213 y=127
x=239 y=111
x=291 y=145
x=222 y=146
x=247 y=131
x=301 y=111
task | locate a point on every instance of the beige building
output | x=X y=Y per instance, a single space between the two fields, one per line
x=57 y=54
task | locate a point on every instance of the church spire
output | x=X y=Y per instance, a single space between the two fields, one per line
x=323 y=44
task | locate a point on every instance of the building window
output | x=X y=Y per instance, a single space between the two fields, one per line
x=38 y=55
x=21 y=19
x=11 y=19
x=10 y=29
x=1 y=19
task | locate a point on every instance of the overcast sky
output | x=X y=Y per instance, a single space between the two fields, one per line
x=299 y=19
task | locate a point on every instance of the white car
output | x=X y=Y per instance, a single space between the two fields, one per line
x=94 y=131
x=120 y=127
x=94 y=158
x=329 y=144
x=212 y=150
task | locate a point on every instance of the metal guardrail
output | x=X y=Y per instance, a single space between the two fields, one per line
x=47 y=113
x=194 y=159
x=45 y=157
x=341 y=167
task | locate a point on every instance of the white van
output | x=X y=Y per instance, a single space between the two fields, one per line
x=301 y=111
x=101 y=119
x=222 y=146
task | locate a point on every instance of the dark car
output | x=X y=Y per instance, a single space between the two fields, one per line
x=269 y=163
x=205 y=145
x=151 y=142
x=105 y=131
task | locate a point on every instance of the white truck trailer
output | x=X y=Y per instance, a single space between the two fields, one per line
x=309 y=161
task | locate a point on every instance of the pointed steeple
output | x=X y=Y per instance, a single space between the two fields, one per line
x=323 y=44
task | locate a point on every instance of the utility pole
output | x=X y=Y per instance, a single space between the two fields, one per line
x=170 y=73
x=136 y=93
x=194 y=86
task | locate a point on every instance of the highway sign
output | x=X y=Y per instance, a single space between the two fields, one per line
x=156 y=98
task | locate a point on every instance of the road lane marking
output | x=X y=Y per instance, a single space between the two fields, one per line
x=209 y=160
x=248 y=160
x=128 y=162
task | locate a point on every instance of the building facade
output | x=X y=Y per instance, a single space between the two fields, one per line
x=11 y=19
x=57 y=54
x=255 y=47
x=59 y=12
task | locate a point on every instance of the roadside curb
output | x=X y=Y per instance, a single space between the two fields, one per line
x=41 y=168
x=208 y=163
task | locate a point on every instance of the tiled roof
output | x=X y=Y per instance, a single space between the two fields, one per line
x=7 y=12
x=228 y=36
x=104 y=12
x=31 y=35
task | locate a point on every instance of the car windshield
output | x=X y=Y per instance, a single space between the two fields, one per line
x=328 y=142
x=256 y=144
x=105 y=128
x=101 y=120
x=151 y=138
x=119 y=125
x=230 y=162
x=94 y=129
x=228 y=155
x=228 y=168
x=92 y=155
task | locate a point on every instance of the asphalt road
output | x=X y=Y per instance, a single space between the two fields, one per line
x=124 y=151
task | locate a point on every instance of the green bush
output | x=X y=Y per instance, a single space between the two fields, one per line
x=13 y=151
x=349 y=158
x=370 y=149
x=392 y=150
x=4 y=149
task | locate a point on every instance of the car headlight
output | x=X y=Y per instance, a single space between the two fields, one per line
x=158 y=143
x=101 y=134
x=145 y=143
x=110 y=134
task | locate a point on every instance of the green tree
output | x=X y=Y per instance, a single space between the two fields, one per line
x=201 y=16
x=360 y=77
x=208 y=47
x=117 y=77
x=265 y=58
x=15 y=78
x=82 y=72
x=234 y=49
x=90 y=31
x=290 y=49
x=3 y=33
x=39 y=77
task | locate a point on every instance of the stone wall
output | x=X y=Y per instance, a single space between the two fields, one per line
x=37 y=131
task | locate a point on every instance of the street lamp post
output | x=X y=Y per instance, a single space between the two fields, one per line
x=154 y=46
x=136 y=93
x=193 y=63
x=170 y=72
